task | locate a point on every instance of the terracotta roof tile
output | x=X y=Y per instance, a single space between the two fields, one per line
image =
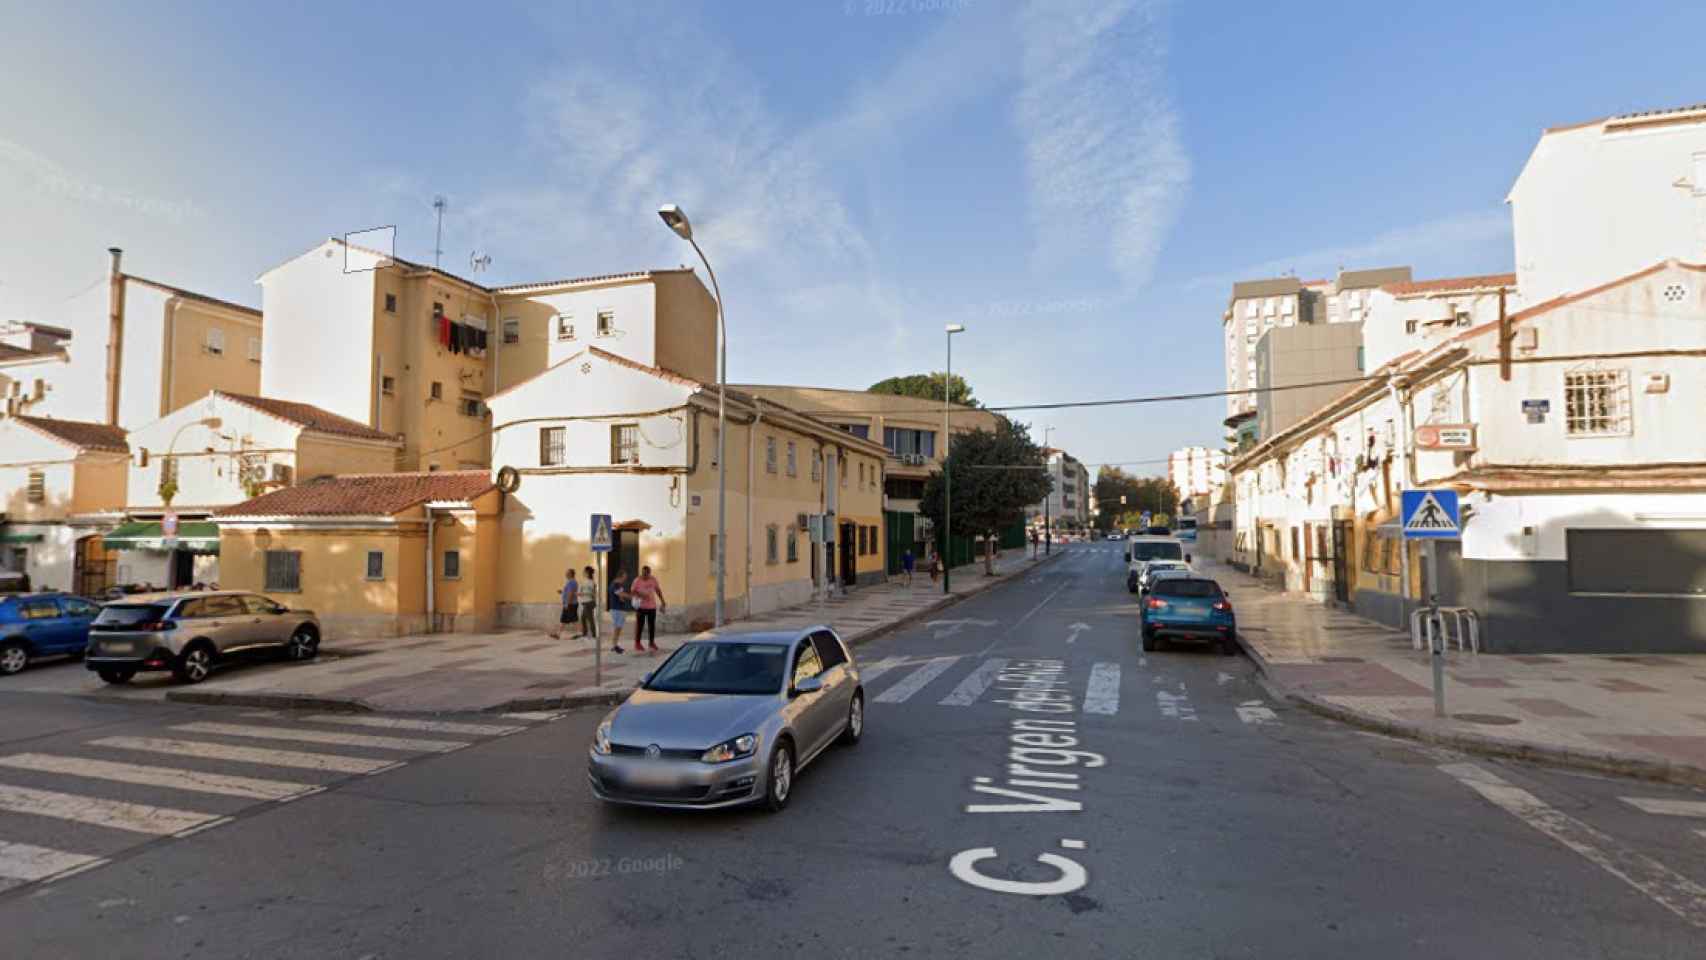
x=311 y=417
x=1444 y=284
x=80 y=433
x=364 y=494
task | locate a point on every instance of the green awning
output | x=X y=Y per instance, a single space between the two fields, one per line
x=195 y=536
x=6 y=537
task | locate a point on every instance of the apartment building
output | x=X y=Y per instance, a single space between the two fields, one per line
x=1068 y=501
x=1414 y=316
x=909 y=428
x=1196 y=472
x=414 y=351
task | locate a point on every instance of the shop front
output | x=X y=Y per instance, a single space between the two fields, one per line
x=148 y=559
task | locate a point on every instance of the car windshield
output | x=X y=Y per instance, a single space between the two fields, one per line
x=1156 y=551
x=129 y=614
x=1180 y=587
x=721 y=667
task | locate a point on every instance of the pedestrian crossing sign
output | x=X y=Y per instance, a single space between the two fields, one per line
x=1431 y=515
x=601 y=532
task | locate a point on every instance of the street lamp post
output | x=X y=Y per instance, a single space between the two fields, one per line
x=947 y=477
x=676 y=220
x=1048 y=471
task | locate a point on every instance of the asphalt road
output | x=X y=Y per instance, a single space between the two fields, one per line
x=1207 y=821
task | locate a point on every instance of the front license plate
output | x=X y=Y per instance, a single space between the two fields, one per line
x=651 y=778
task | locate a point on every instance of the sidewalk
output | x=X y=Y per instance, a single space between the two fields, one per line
x=512 y=670
x=1636 y=715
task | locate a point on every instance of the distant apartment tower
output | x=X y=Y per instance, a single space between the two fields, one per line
x=1196 y=472
x=1068 y=503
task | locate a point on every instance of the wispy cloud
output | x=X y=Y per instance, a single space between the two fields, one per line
x=56 y=181
x=1106 y=167
x=1446 y=238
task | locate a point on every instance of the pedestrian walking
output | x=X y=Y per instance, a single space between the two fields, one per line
x=935 y=566
x=589 y=605
x=648 y=601
x=906 y=563
x=618 y=602
x=571 y=604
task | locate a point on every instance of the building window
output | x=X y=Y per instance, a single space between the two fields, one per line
x=862 y=536
x=375 y=564
x=565 y=326
x=873 y=540
x=713 y=557
x=437 y=392
x=625 y=443
x=388 y=385
x=841 y=474
x=769 y=454
x=37 y=490
x=255 y=349
x=551 y=446
x=1596 y=403
x=770 y=544
x=606 y=322
x=1463 y=318
x=452 y=564
x=215 y=341
x=902 y=442
x=793 y=545
x=860 y=430
x=471 y=407
x=793 y=463
x=817 y=465
x=1411 y=326
x=390 y=303
x=284 y=571
x=512 y=330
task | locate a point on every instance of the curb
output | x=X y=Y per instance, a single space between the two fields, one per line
x=567 y=701
x=881 y=631
x=287 y=701
x=1637 y=768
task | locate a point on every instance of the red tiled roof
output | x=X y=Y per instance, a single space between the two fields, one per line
x=597 y=278
x=658 y=372
x=180 y=291
x=80 y=433
x=364 y=494
x=1452 y=283
x=311 y=417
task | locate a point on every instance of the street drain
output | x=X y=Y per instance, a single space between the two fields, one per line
x=1491 y=719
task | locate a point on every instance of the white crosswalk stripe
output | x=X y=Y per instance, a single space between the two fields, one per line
x=916 y=680
x=875 y=670
x=423 y=726
x=194 y=781
x=1102 y=695
x=95 y=811
x=975 y=683
x=320 y=736
x=1256 y=712
x=332 y=763
x=1669 y=808
x=25 y=863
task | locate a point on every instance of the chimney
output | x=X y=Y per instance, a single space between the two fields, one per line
x=115 y=333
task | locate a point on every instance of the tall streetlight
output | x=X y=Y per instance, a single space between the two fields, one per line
x=947 y=478
x=676 y=220
x=1048 y=471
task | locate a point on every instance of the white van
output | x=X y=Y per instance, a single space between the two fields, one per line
x=1141 y=550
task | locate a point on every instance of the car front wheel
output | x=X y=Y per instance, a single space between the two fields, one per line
x=779 y=782
x=195 y=665
x=13 y=657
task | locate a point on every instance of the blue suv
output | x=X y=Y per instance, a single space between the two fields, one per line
x=42 y=625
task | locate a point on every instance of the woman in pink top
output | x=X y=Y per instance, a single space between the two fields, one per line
x=648 y=600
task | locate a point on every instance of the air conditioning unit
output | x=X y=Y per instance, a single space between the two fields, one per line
x=913 y=459
x=281 y=473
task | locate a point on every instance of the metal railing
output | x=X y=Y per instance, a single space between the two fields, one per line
x=1428 y=626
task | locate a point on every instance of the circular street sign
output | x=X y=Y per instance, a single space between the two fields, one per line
x=1427 y=436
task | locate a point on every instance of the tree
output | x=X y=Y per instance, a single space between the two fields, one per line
x=996 y=474
x=926 y=386
x=1154 y=494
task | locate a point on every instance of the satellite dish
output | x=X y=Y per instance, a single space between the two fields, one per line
x=509 y=479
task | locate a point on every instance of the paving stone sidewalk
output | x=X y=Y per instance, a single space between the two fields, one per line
x=514 y=670
x=1638 y=715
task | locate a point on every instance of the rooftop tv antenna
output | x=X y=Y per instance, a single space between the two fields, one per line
x=438 y=204
x=478 y=261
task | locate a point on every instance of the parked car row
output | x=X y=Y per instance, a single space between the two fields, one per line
x=189 y=633
x=1175 y=602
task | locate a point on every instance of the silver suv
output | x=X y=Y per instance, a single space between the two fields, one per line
x=189 y=633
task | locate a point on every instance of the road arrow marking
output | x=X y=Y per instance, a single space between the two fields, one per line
x=1076 y=629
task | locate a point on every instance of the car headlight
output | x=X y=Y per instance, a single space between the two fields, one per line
x=601 y=739
x=741 y=746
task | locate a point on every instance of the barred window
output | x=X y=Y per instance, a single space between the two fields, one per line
x=37 y=490
x=1596 y=403
x=769 y=454
x=770 y=544
x=551 y=446
x=793 y=545
x=284 y=571
x=625 y=443
x=793 y=461
x=375 y=565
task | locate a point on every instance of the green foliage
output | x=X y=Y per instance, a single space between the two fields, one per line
x=996 y=474
x=1154 y=494
x=926 y=386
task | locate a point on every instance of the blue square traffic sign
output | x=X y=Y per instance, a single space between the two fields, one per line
x=1431 y=515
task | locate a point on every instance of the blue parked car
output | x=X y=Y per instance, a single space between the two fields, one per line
x=1188 y=608
x=36 y=625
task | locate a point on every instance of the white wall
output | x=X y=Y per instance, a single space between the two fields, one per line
x=1385 y=336
x=1592 y=205
x=635 y=306
x=317 y=333
x=206 y=480
x=78 y=391
x=1533 y=527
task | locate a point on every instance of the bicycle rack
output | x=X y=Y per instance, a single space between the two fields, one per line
x=1429 y=623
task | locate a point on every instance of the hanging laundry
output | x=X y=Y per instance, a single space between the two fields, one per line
x=443 y=330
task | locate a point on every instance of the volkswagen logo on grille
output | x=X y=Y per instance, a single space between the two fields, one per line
x=652 y=752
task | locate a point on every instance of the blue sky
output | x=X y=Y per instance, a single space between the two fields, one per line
x=1078 y=183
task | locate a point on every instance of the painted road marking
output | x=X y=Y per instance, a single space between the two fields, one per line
x=1256 y=712
x=1673 y=891
x=975 y=683
x=423 y=726
x=533 y=716
x=879 y=668
x=916 y=680
x=24 y=863
x=116 y=814
x=1669 y=808
x=192 y=780
x=1102 y=695
x=258 y=755
x=321 y=736
x=1175 y=705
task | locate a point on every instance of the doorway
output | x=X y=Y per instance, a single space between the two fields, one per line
x=92 y=567
x=624 y=553
x=849 y=571
x=183 y=569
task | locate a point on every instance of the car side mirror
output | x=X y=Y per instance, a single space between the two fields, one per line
x=809 y=685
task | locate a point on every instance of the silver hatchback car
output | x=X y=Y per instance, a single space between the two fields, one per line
x=190 y=633
x=728 y=720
